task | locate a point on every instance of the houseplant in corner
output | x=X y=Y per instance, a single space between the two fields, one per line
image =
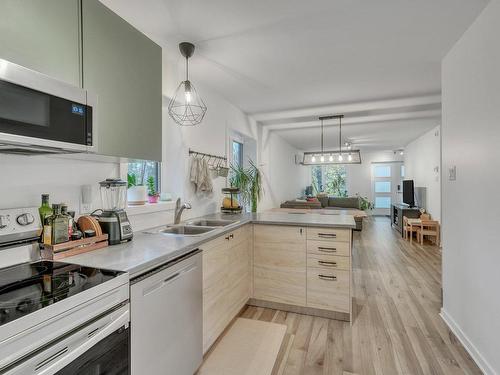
x=364 y=203
x=137 y=193
x=249 y=181
x=153 y=195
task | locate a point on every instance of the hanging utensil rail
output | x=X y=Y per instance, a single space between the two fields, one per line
x=214 y=161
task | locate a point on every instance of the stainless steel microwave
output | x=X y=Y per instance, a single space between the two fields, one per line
x=41 y=115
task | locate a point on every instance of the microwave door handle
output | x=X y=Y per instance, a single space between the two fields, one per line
x=84 y=340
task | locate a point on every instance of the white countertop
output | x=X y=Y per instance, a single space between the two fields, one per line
x=150 y=248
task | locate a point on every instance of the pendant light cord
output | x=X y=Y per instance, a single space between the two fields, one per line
x=187 y=69
x=322 y=137
x=340 y=135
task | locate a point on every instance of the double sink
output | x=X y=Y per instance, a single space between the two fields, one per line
x=196 y=227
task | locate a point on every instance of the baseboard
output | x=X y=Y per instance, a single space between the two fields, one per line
x=467 y=344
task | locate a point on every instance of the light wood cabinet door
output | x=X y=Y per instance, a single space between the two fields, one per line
x=329 y=234
x=279 y=264
x=226 y=281
x=328 y=289
x=329 y=262
x=329 y=248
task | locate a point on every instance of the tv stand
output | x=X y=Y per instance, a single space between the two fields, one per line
x=400 y=210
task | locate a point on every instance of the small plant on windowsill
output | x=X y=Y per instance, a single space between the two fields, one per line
x=153 y=195
x=136 y=192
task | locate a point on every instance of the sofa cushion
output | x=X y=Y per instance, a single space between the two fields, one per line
x=344 y=202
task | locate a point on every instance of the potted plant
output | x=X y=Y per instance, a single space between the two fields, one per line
x=137 y=193
x=249 y=181
x=153 y=195
x=364 y=203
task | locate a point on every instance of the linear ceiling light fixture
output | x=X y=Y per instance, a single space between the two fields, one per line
x=349 y=156
x=186 y=107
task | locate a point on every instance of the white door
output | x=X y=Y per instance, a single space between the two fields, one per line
x=386 y=186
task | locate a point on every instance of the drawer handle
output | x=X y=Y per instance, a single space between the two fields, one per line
x=327 y=235
x=327 y=249
x=325 y=263
x=328 y=278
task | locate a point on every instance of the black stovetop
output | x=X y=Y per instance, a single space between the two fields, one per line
x=29 y=287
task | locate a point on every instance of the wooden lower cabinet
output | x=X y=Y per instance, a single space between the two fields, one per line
x=280 y=261
x=328 y=289
x=305 y=267
x=226 y=281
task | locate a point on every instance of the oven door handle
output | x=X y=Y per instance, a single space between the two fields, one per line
x=68 y=349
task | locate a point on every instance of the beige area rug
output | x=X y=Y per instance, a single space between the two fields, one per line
x=250 y=347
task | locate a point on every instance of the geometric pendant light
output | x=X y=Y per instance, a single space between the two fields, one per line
x=332 y=157
x=186 y=107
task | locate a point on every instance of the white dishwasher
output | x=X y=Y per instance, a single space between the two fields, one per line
x=166 y=312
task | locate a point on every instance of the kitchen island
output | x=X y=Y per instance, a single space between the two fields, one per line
x=150 y=248
x=292 y=262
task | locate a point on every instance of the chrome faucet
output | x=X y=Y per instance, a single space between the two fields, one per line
x=178 y=210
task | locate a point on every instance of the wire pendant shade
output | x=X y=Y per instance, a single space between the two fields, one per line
x=186 y=107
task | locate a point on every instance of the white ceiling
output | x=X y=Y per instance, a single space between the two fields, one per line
x=272 y=55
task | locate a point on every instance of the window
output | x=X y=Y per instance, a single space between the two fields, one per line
x=237 y=153
x=402 y=171
x=142 y=170
x=330 y=179
x=382 y=202
x=383 y=171
x=382 y=187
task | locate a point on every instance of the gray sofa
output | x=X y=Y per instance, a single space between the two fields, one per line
x=343 y=203
x=330 y=203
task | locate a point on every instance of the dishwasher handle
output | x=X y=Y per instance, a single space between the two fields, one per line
x=169 y=279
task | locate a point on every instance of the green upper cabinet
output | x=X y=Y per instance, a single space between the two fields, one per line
x=43 y=35
x=123 y=67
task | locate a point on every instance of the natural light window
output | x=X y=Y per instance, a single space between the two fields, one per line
x=382 y=202
x=330 y=179
x=382 y=171
x=140 y=172
x=382 y=187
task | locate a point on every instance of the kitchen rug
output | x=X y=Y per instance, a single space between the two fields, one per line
x=249 y=347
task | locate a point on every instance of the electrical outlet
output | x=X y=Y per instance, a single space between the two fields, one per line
x=452 y=173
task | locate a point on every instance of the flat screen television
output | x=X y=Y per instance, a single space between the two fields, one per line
x=408 y=193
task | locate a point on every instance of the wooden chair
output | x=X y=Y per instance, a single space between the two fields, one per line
x=407 y=228
x=429 y=228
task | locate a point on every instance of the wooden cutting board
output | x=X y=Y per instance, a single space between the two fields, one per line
x=89 y=222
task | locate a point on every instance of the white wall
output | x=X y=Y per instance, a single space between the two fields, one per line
x=283 y=179
x=423 y=165
x=359 y=176
x=470 y=141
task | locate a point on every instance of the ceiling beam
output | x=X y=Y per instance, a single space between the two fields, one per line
x=390 y=117
x=348 y=108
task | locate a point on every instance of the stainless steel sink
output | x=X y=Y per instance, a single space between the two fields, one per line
x=210 y=223
x=186 y=230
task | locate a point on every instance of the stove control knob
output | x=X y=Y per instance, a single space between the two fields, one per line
x=25 y=219
x=4 y=221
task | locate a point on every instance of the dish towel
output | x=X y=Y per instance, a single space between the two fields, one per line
x=204 y=179
x=194 y=173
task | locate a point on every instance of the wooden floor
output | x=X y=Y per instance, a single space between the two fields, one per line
x=396 y=328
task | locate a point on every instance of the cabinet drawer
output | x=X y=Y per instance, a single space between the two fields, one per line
x=328 y=289
x=329 y=234
x=328 y=262
x=329 y=248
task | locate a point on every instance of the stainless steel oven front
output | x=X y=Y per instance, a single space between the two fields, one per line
x=39 y=114
x=100 y=347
